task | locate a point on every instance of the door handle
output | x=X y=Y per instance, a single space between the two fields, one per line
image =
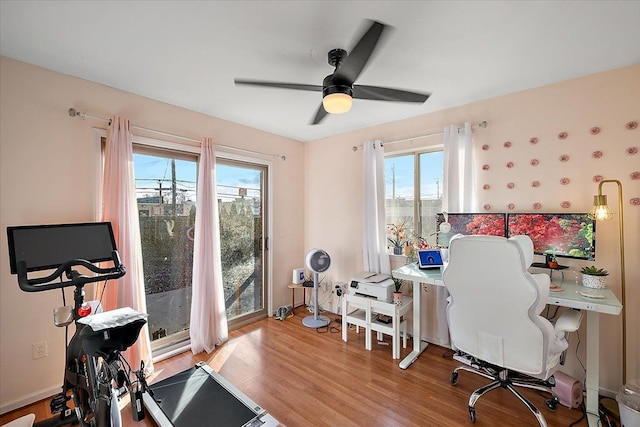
x=264 y=240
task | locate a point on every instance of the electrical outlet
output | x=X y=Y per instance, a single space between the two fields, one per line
x=39 y=350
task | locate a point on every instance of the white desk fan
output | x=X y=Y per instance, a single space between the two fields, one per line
x=318 y=261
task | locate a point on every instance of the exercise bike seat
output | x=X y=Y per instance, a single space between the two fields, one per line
x=109 y=331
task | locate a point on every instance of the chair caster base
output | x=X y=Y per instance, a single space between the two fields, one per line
x=472 y=414
x=552 y=404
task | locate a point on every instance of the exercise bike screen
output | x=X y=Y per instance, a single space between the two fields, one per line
x=194 y=398
x=44 y=247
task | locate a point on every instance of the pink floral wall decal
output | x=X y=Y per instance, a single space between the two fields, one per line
x=563 y=135
x=537 y=206
x=486 y=187
x=507 y=144
x=597 y=178
x=510 y=185
x=485 y=147
x=635 y=201
x=565 y=181
x=485 y=167
x=487 y=207
x=566 y=204
x=632 y=125
x=595 y=130
x=535 y=184
x=511 y=206
x=635 y=175
x=534 y=162
x=596 y=154
x=533 y=140
x=509 y=165
x=564 y=158
x=632 y=150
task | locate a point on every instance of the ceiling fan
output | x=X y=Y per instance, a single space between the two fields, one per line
x=338 y=89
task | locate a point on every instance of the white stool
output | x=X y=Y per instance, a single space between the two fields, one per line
x=361 y=317
x=395 y=312
x=365 y=316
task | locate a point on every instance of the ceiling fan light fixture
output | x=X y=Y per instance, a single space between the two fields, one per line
x=337 y=103
x=336 y=98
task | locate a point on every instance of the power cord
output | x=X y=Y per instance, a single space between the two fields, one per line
x=582 y=417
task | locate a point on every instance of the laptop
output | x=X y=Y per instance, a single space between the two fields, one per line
x=429 y=258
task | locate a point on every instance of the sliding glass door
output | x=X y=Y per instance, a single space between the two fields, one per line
x=241 y=188
x=166 y=195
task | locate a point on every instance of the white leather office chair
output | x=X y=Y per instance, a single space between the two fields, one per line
x=493 y=316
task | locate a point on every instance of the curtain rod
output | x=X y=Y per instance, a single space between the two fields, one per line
x=75 y=113
x=482 y=124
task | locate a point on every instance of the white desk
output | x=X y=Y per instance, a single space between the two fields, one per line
x=569 y=297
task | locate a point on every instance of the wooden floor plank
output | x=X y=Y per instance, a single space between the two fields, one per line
x=306 y=378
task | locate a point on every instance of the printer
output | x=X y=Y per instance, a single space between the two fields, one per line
x=372 y=285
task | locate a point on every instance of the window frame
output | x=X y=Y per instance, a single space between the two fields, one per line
x=417 y=222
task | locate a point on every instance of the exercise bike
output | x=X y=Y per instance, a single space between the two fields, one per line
x=95 y=373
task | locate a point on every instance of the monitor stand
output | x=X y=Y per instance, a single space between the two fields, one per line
x=545 y=265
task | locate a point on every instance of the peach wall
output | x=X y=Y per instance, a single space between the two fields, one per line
x=47 y=170
x=333 y=180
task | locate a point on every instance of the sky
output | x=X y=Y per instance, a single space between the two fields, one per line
x=398 y=170
x=431 y=175
x=149 y=169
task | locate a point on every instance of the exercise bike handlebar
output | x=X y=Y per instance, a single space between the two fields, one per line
x=75 y=279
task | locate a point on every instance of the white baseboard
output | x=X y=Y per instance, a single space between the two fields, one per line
x=29 y=399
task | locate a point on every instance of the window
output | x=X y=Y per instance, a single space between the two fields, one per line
x=413 y=192
x=166 y=176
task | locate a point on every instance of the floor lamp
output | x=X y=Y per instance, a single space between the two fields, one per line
x=601 y=211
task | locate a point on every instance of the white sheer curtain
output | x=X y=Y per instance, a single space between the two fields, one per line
x=458 y=196
x=459 y=182
x=208 y=315
x=121 y=209
x=375 y=254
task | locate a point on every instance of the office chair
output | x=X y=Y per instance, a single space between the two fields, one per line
x=494 y=321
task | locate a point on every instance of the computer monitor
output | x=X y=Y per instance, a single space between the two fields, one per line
x=44 y=247
x=486 y=224
x=569 y=235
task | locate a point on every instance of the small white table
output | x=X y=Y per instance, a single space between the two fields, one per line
x=362 y=317
x=569 y=297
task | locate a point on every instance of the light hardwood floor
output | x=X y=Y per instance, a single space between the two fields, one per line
x=306 y=378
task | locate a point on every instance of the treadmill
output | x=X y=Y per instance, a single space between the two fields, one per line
x=201 y=397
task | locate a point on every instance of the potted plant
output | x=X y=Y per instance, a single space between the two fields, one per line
x=593 y=277
x=397 y=237
x=553 y=262
x=397 y=291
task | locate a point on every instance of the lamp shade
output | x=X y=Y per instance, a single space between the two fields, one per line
x=600 y=209
x=337 y=103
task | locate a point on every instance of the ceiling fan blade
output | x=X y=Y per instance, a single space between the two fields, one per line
x=296 y=86
x=320 y=114
x=387 y=94
x=357 y=59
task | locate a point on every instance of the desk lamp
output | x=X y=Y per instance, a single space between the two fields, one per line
x=601 y=212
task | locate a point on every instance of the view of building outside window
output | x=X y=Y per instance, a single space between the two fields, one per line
x=410 y=178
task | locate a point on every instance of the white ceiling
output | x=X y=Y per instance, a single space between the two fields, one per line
x=187 y=53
